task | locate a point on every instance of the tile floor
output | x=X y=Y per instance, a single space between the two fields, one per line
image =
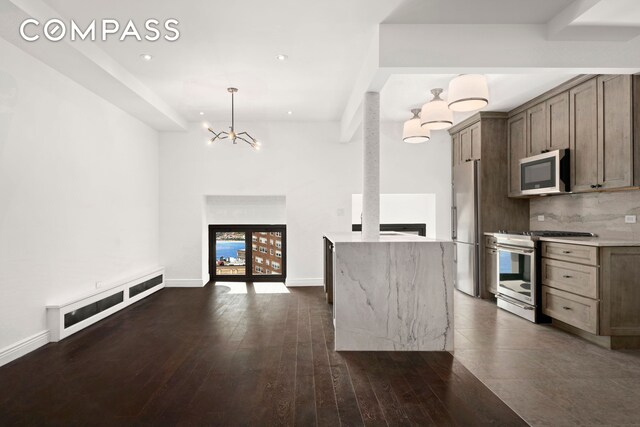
x=547 y=376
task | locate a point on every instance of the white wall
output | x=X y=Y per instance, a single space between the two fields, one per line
x=246 y=209
x=302 y=161
x=78 y=192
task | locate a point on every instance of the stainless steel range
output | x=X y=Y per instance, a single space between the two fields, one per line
x=518 y=287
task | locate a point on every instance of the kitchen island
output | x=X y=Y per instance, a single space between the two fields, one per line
x=392 y=294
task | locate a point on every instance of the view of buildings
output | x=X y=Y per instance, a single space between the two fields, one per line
x=266 y=253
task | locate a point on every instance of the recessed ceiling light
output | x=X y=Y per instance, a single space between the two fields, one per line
x=202 y=113
x=289 y=112
x=146 y=56
x=281 y=57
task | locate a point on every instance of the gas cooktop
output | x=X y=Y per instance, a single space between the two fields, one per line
x=548 y=233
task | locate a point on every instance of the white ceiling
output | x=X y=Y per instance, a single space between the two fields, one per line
x=234 y=43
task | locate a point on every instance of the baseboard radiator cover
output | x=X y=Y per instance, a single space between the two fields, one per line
x=68 y=317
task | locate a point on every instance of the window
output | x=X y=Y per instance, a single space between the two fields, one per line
x=247 y=252
x=278 y=254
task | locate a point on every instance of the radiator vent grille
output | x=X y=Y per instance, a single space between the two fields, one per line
x=138 y=289
x=92 y=309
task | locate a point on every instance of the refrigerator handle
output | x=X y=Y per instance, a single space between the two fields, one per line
x=454 y=223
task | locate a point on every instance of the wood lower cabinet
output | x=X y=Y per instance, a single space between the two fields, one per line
x=491 y=270
x=328 y=270
x=595 y=294
x=517 y=143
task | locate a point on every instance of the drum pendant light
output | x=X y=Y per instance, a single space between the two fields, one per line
x=435 y=114
x=468 y=92
x=412 y=132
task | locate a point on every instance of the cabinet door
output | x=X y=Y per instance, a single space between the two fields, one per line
x=491 y=270
x=517 y=127
x=558 y=122
x=615 y=162
x=536 y=129
x=474 y=130
x=583 y=135
x=455 y=149
x=465 y=145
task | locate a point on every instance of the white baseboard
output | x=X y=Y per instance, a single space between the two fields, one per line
x=184 y=283
x=27 y=345
x=305 y=282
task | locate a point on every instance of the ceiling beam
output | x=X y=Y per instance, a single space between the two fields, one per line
x=488 y=49
x=91 y=67
x=565 y=25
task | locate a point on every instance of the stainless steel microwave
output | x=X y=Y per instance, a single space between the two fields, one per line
x=546 y=173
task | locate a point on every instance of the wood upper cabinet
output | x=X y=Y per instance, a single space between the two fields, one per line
x=557 y=122
x=469 y=140
x=474 y=132
x=548 y=125
x=583 y=135
x=615 y=161
x=455 y=149
x=600 y=134
x=536 y=129
x=517 y=142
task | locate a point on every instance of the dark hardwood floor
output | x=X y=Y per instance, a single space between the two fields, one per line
x=208 y=357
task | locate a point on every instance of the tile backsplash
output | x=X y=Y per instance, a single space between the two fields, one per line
x=600 y=213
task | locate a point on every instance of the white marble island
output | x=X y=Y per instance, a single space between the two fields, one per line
x=393 y=294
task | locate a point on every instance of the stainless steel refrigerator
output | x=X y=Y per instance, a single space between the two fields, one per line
x=464 y=227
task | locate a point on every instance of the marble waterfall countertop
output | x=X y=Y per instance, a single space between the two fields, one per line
x=393 y=294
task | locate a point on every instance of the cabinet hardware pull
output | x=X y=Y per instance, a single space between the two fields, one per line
x=566 y=252
x=566 y=276
x=599 y=186
x=566 y=308
x=594 y=186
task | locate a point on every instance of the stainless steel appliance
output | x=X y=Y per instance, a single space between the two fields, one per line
x=546 y=173
x=465 y=226
x=518 y=278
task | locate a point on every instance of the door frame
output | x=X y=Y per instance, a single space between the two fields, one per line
x=248 y=229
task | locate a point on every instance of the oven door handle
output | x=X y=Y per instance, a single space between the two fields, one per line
x=516 y=249
x=514 y=302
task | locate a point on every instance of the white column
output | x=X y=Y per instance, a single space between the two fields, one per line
x=371 y=167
